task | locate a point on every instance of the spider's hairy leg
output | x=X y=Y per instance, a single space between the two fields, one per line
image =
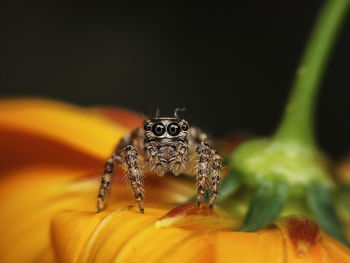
x=157 y=164
x=203 y=152
x=209 y=164
x=118 y=158
x=178 y=162
x=215 y=165
x=203 y=168
x=134 y=174
x=106 y=180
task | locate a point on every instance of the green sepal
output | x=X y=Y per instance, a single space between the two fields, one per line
x=320 y=201
x=229 y=185
x=266 y=159
x=267 y=203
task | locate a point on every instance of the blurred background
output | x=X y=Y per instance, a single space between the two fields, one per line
x=230 y=63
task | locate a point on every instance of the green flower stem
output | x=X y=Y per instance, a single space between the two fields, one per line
x=291 y=154
x=289 y=165
x=297 y=123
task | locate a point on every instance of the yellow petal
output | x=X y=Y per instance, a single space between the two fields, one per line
x=28 y=202
x=190 y=216
x=153 y=244
x=305 y=242
x=50 y=165
x=128 y=236
x=198 y=248
x=69 y=242
x=71 y=126
x=336 y=252
x=99 y=237
x=262 y=246
x=30 y=198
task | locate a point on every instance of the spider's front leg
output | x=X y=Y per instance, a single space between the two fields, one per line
x=106 y=180
x=134 y=174
x=215 y=165
x=209 y=164
x=203 y=171
x=127 y=155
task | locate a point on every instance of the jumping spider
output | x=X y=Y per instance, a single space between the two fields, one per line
x=164 y=145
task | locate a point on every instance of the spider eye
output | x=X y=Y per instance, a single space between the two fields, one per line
x=148 y=126
x=184 y=127
x=158 y=129
x=173 y=129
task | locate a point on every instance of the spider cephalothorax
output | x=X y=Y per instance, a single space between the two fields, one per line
x=164 y=145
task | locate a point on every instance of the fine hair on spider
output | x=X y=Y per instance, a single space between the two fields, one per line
x=176 y=112
x=164 y=145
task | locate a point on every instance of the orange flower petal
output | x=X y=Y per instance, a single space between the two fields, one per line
x=52 y=155
x=128 y=236
x=198 y=248
x=30 y=198
x=190 y=216
x=153 y=244
x=121 y=233
x=305 y=242
x=27 y=205
x=68 y=125
x=336 y=251
x=262 y=246
x=100 y=237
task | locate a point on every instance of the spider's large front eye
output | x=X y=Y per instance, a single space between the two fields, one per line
x=158 y=129
x=173 y=129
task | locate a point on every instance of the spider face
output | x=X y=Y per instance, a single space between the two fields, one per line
x=166 y=144
x=165 y=128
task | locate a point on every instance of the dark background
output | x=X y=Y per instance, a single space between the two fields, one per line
x=230 y=63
